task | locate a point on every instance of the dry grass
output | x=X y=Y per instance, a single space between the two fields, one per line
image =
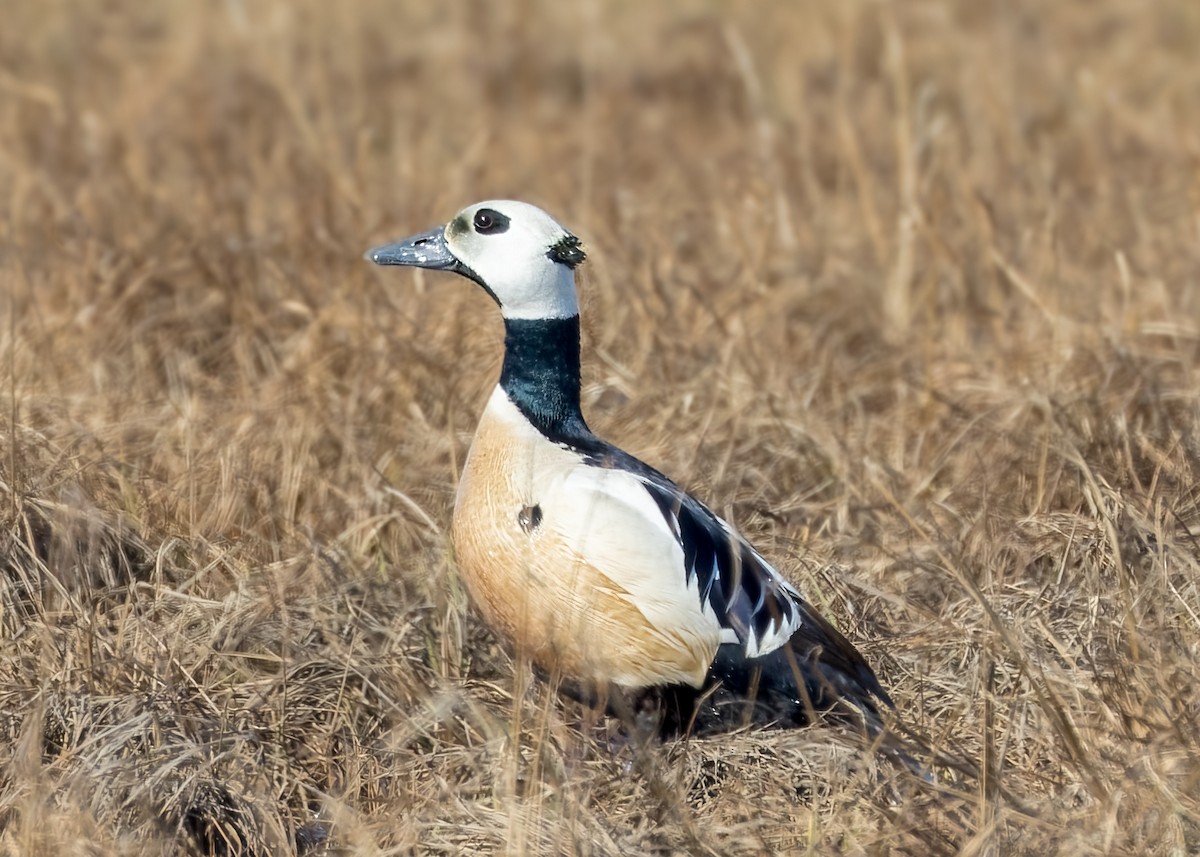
x=910 y=290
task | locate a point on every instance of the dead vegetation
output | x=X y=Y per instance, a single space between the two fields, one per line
x=910 y=290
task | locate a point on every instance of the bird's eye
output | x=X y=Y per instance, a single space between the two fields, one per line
x=488 y=221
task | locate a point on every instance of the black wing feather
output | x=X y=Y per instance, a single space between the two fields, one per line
x=747 y=595
x=815 y=669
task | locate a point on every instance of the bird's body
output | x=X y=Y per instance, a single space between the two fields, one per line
x=598 y=567
x=556 y=553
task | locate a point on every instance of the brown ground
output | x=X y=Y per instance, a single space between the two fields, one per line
x=910 y=290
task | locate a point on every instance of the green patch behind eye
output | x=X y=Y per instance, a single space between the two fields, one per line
x=568 y=250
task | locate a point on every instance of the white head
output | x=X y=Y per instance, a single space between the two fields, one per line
x=517 y=252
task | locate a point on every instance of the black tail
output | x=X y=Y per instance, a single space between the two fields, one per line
x=817 y=670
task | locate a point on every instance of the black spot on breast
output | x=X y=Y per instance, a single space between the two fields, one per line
x=530 y=518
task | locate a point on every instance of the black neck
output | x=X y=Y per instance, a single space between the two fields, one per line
x=541 y=375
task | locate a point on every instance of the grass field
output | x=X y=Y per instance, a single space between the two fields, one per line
x=911 y=291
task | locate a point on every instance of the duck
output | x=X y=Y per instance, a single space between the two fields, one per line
x=600 y=569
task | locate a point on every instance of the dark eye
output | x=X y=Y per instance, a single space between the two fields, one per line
x=488 y=221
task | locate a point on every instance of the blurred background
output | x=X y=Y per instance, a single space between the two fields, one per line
x=909 y=290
